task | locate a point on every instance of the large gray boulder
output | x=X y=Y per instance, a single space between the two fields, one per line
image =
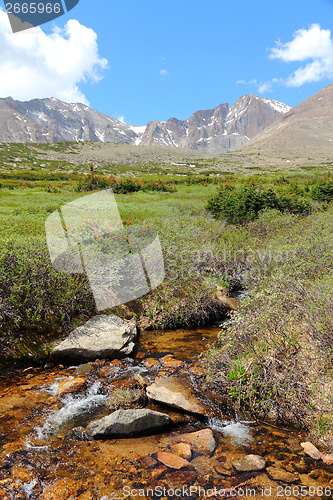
x=101 y=337
x=123 y=423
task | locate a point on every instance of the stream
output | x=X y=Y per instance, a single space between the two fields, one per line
x=46 y=453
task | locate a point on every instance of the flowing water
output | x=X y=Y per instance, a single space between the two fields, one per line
x=46 y=453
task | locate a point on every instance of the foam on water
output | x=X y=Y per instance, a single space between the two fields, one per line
x=73 y=406
x=237 y=431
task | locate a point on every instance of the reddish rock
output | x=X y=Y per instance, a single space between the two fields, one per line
x=71 y=385
x=172 y=461
x=182 y=450
x=148 y=461
x=202 y=441
x=170 y=362
x=158 y=472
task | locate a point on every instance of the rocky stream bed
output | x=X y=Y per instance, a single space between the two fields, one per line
x=144 y=426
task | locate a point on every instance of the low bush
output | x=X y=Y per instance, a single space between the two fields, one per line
x=240 y=205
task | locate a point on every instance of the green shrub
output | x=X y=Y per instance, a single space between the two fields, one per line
x=245 y=203
x=322 y=190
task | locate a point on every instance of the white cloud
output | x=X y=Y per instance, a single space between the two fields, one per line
x=164 y=73
x=241 y=82
x=313 y=44
x=121 y=119
x=34 y=64
x=265 y=87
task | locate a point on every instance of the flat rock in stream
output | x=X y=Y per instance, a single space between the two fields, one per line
x=104 y=336
x=123 y=423
x=172 y=391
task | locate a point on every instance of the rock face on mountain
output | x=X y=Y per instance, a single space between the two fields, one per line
x=217 y=130
x=51 y=120
x=305 y=131
x=214 y=130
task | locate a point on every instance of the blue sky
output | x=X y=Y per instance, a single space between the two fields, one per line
x=147 y=60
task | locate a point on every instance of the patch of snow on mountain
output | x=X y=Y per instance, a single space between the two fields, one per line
x=280 y=107
x=100 y=136
x=138 y=129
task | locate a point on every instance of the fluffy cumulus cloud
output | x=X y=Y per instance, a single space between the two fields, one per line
x=314 y=45
x=33 y=64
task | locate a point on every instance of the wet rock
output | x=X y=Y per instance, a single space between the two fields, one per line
x=71 y=385
x=182 y=450
x=151 y=362
x=84 y=369
x=101 y=337
x=174 y=392
x=311 y=450
x=128 y=423
x=158 y=472
x=62 y=488
x=142 y=381
x=170 y=362
x=327 y=459
x=222 y=471
x=202 y=441
x=171 y=460
x=148 y=461
x=281 y=475
x=250 y=463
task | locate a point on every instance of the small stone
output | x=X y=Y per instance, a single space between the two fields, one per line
x=281 y=475
x=250 y=463
x=148 y=461
x=311 y=450
x=84 y=369
x=170 y=362
x=172 y=461
x=223 y=471
x=182 y=450
x=71 y=385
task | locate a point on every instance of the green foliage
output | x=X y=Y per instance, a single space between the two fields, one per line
x=322 y=190
x=123 y=186
x=124 y=398
x=244 y=204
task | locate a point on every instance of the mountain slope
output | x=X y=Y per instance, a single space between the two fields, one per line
x=304 y=131
x=215 y=130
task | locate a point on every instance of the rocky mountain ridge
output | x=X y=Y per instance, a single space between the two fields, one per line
x=217 y=130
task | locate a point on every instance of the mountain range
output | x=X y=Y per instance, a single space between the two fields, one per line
x=217 y=130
